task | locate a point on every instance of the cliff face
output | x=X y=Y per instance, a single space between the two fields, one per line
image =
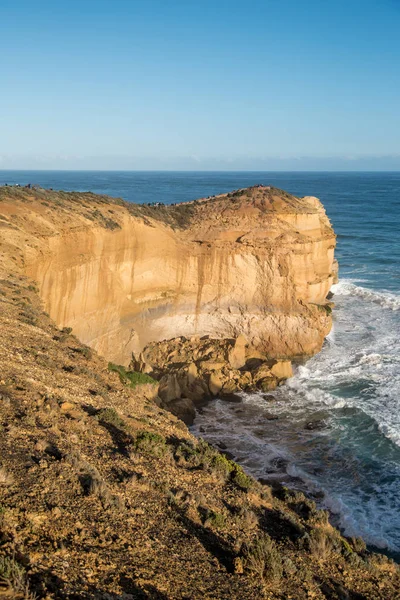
x=258 y=262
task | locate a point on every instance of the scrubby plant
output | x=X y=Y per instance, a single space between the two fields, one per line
x=215 y=519
x=131 y=378
x=239 y=477
x=222 y=465
x=109 y=416
x=151 y=443
x=13 y=577
x=188 y=455
x=262 y=559
x=84 y=350
x=320 y=543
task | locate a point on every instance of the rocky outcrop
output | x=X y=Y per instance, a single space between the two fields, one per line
x=258 y=262
x=193 y=371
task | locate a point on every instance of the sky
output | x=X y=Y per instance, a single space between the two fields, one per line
x=206 y=84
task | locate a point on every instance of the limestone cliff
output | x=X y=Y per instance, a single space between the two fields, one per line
x=258 y=262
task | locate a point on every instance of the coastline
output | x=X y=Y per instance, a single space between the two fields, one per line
x=91 y=446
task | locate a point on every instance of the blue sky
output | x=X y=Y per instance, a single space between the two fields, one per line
x=206 y=84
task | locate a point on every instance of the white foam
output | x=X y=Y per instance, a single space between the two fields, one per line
x=384 y=299
x=357 y=469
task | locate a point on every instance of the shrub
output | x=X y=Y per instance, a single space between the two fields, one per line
x=215 y=519
x=188 y=454
x=262 y=558
x=130 y=378
x=151 y=443
x=222 y=465
x=13 y=576
x=84 y=350
x=109 y=416
x=239 y=477
x=321 y=543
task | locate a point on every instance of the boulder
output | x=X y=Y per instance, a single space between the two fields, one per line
x=169 y=388
x=267 y=383
x=192 y=373
x=183 y=409
x=216 y=383
x=237 y=355
x=282 y=369
x=261 y=372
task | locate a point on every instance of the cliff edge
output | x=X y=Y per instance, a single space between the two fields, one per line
x=258 y=262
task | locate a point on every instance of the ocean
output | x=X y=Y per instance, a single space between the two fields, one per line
x=334 y=428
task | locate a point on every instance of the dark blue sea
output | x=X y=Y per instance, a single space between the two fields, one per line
x=337 y=430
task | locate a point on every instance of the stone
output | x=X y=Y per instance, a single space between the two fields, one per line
x=169 y=388
x=183 y=409
x=267 y=384
x=212 y=365
x=192 y=373
x=282 y=369
x=230 y=387
x=215 y=383
x=66 y=407
x=261 y=373
x=269 y=397
x=237 y=356
x=238 y=565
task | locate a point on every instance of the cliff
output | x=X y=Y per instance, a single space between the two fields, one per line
x=257 y=262
x=103 y=495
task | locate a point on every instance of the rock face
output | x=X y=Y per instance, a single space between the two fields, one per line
x=258 y=262
x=192 y=371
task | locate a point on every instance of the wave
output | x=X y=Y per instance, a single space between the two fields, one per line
x=385 y=299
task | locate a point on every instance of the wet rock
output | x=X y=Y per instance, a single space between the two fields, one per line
x=271 y=417
x=269 y=397
x=315 y=425
x=232 y=398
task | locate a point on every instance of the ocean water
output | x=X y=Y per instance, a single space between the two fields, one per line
x=334 y=428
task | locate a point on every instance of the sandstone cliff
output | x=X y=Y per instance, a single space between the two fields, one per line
x=257 y=262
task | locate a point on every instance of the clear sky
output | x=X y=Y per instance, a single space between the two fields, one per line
x=200 y=84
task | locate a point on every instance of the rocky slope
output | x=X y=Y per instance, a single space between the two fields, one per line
x=258 y=262
x=104 y=495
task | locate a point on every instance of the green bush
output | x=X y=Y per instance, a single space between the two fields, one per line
x=130 y=378
x=222 y=465
x=13 y=576
x=109 y=416
x=215 y=519
x=151 y=443
x=262 y=559
x=240 y=478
